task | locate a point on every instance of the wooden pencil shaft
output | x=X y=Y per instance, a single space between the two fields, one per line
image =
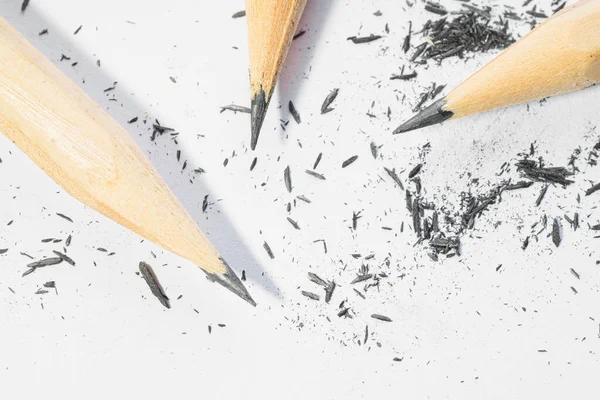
x=89 y=154
x=559 y=56
x=271 y=28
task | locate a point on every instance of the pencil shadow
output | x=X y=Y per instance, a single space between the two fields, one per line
x=120 y=103
x=302 y=51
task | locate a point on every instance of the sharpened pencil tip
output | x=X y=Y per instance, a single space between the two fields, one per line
x=258 y=111
x=434 y=114
x=230 y=280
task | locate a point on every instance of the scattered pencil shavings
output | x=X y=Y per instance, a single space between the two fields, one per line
x=536 y=172
x=470 y=32
x=381 y=317
x=364 y=39
x=239 y=14
x=155 y=286
x=328 y=100
x=235 y=108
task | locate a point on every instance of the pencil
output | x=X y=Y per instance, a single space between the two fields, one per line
x=271 y=28
x=561 y=55
x=77 y=144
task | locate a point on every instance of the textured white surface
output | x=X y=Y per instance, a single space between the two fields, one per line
x=463 y=329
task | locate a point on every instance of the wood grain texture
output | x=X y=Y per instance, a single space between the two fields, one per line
x=561 y=55
x=271 y=28
x=88 y=153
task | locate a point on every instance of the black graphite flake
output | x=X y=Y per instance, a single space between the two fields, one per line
x=294 y=112
x=299 y=34
x=525 y=243
x=541 y=196
x=311 y=295
x=575 y=273
x=315 y=174
x=268 y=250
x=243 y=278
x=355 y=217
x=361 y=278
x=45 y=262
x=155 y=286
x=415 y=171
x=406 y=44
x=394 y=176
x=374 y=150
x=404 y=77
x=593 y=189
x=328 y=100
x=349 y=161
x=294 y=223
x=329 y=291
x=381 y=317
x=239 y=14
x=304 y=199
x=253 y=163
x=64 y=257
x=317 y=161
x=364 y=39
x=24 y=5
x=65 y=217
x=518 y=185
x=132 y=120
x=77 y=30
x=287 y=178
x=63 y=57
x=436 y=9
x=556 y=232
x=2 y=251
x=43 y=32
x=314 y=278
x=235 y=108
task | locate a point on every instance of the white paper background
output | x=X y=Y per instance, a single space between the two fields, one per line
x=462 y=329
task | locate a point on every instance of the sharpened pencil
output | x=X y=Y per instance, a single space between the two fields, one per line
x=561 y=55
x=271 y=28
x=77 y=144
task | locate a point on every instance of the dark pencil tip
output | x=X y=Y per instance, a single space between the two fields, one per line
x=434 y=114
x=230 y=280
x=258 y=111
